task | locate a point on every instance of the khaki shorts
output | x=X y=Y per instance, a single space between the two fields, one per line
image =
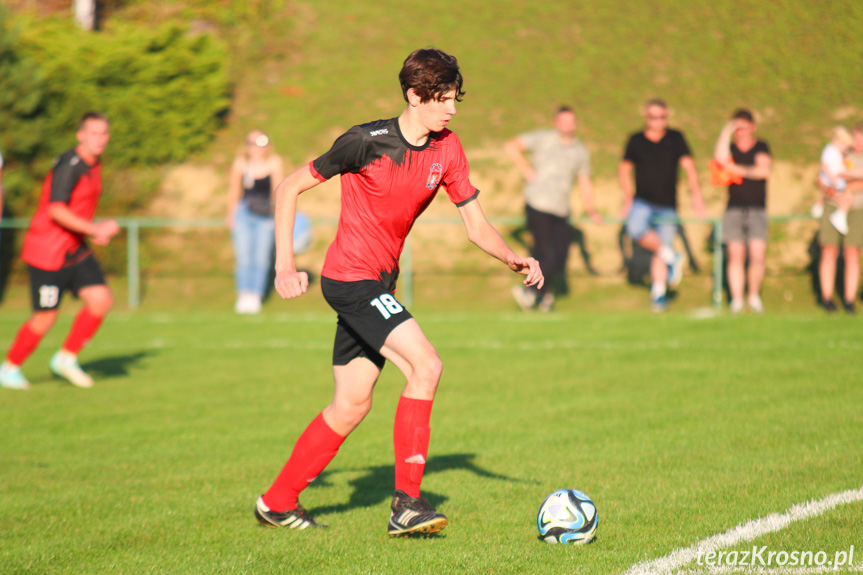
x=829 y=236
x=742 y=225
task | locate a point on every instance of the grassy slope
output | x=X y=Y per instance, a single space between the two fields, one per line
x=795 y=62
x=678 y=428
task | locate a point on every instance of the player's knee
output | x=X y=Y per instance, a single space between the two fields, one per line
x=350 y=415
x=42 y=322
x=101 y=303
x=429 y=370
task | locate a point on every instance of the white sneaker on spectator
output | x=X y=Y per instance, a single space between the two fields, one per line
x=525 y=300
x=248 y=303
x=840 y=221
x=254 y=304
x=754 y=302
x=817 y=210
x=675 y=271
x=736 y=306
x=546 y=304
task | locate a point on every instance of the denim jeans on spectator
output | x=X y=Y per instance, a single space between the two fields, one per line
x=254 y=238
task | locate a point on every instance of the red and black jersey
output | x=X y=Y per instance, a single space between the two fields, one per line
x=71 y=181
x=386 y=184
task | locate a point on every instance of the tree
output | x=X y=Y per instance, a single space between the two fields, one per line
x=85 y=14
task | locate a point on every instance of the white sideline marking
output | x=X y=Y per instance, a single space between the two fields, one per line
x=746 y=532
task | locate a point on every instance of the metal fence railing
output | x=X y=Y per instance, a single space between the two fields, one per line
x=133 y=227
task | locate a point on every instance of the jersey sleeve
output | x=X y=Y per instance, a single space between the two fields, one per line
x=762 y=147
x=629 y=153
x=345 y=156
x=457 y=178
x=67 y=172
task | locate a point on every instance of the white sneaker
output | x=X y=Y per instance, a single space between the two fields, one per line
x=736 y=306
x=66 y=366
x=840 y=221
x=526 y=301
x=675 y=271
x=248 y=303
x=12 y=378
x=546 y=304
x=754 y=303
x=254 y=304
x=817 y=210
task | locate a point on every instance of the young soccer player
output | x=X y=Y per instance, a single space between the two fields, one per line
x=390 y=171
x=59 y=260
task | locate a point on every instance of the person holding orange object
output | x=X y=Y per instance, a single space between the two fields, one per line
x=747 y=162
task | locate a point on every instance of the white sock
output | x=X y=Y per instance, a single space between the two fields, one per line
x=657 y=290
x=666 y=254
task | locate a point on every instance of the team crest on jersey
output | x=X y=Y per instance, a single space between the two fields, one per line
x=435 y=174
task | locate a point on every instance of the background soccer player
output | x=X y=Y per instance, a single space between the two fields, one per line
x=59 y=259
x=390 y=171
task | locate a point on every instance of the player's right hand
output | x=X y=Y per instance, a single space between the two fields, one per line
x=104 y=232
x=291 y=284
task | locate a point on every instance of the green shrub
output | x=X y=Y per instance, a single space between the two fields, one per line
x=165 y=91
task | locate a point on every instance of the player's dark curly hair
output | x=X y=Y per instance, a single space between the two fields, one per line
x=431 y=73
x=91 y=115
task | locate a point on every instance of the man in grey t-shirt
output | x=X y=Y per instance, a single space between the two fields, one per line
x=558 y=158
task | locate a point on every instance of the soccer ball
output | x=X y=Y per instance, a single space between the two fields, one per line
x=567 y=516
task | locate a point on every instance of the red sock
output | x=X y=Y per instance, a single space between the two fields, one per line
x=313 y=451
x=25 y=342
x=411 y=441
x=85 y=326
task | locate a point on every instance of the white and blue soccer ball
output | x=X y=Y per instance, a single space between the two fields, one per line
x=567 y=516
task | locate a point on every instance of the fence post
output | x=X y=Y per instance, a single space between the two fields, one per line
x=718 y=263
x=133 y=264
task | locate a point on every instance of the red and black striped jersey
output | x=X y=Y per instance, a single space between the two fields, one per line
x=386 y=184
x=71 y=181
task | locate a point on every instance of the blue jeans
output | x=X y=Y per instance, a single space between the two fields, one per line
x=254 y=237
x=642 y=218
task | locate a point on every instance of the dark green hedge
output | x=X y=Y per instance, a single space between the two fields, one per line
x=165 y=91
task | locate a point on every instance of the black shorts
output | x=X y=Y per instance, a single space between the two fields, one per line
x=47 y=286
x=368 y=313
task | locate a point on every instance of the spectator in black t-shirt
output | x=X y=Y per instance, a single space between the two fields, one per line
x=654 y=154
x=745 y=221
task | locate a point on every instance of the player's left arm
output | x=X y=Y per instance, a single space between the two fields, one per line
x=482 y=234
x=688 y=165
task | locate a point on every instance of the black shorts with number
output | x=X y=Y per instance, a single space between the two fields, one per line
x=368 y=313
x=47 y=286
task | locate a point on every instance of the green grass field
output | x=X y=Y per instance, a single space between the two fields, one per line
x=679 y=428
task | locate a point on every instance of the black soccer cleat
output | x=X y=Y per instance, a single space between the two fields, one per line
x=297 y=518
x=414 y=516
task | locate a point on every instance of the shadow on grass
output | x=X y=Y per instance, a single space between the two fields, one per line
x=100 y=369
x=119 y=366
x=375 y=485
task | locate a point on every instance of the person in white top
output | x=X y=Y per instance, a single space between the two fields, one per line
x=832 y=176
